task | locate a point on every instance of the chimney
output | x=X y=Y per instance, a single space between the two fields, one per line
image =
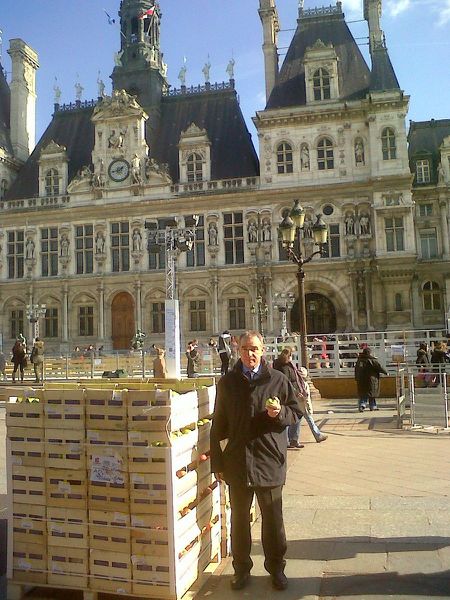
x=269 y=18
x=372 y=14
x=23 y=98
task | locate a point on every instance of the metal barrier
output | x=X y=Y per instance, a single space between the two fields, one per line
x=402 y=393
x=429 y=398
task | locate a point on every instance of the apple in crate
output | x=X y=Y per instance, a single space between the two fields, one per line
x=181 y=473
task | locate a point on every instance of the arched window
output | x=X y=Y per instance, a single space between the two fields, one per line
x=431 y=296
x=321 y=85
x=3 y=188
x=52 y=183
x=388 y=144
x=325 y=155
x=285 y=162
x=194 y=167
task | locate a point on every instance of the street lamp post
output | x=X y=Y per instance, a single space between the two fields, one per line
x=34 y=312
x=174 y=240
x=290 y=230
x=261 y=309
x=284 y=301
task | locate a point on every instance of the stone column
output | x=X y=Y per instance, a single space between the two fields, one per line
x=137 y=293
x=214 y=285
x=65 y=323
x=101 y=311
x=444 y=226
x=416 y=303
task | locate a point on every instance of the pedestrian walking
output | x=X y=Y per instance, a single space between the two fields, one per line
x=37 y=359
x=234 y=348
x=423 y=364
x=3 y=365
x=438 y=360
x=254 y=406
x=367 y=375
x=19 y=359
x=298 y=379
x=193 y=359
x=224 y=351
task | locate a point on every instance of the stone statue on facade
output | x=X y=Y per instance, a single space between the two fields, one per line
x=349 y=224
x=304 y=157
x=136 y=169
x=206 y=70
x=364 y=224
x=137 y=240
x=307 y=228
x=115 y=140
x=29 y=249
x=361 y=292
x=266 y=230
x=100 y=243
x=213 y=234
x=230 y=68
x=100 y=87
x=78 y=91
x=252 y=231
x=57 y=91
x=182 y=75
x=359 y=152
x=440 y=172
x=64 y=246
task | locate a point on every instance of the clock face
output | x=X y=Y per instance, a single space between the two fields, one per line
x=119 y=169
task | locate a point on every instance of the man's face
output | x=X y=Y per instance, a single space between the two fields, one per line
x=251 y=351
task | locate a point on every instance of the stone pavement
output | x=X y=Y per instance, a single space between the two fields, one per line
x=367 y=514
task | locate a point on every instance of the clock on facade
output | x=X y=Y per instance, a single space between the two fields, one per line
x=119 y=169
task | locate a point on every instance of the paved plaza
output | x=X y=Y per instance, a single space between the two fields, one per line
x=367 y=513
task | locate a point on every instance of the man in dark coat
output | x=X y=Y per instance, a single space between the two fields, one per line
x=248 y=451
x=367 y=375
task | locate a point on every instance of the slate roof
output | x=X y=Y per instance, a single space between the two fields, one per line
x=354 y=74
x=425 y=138
x=5 y=103
x=383 y=77
x=232 y=151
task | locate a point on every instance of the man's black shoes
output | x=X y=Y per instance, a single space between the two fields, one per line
x=279 y=581
x=239 y=581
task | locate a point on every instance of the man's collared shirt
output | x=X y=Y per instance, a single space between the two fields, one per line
x=251 y=373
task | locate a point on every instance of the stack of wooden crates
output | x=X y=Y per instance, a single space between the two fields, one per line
x=112 y=489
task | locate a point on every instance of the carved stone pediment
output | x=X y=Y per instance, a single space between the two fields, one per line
x=193 y=131
x=51 y=149
x=119 y=104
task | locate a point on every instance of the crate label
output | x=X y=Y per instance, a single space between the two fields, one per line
x=121 y=591
x=137 y=478
x=51 y=410
x=56 y=529
x=93 y=435
x=136 y=522
x=64 y=487
x=138 y=560
x=26 y=524
x=56 y=568
x=134 y=435
x=75 y=448
x=117 y=395
x=24 y=564
x=120 y=518
x=16 y=460
x=106 y=469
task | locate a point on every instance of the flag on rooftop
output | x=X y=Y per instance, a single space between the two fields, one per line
x=147 y=13
x=111 y=21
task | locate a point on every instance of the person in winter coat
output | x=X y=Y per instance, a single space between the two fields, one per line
x=224 y=350
x=248 y=451
x=438 y=359
x=193 y=359
x=423 y=363
x=19 y=359
x=297 y=377
x=367 y=375
x=3 y=365
x=37 y=358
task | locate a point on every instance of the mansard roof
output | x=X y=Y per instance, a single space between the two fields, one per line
x=330 y=27
x=217 y=111
x=383 y=77
x=425 y=139
x=5 y=103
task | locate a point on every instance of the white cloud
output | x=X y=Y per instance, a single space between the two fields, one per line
x=444 y=16
x=353 y=6
x=395 y=7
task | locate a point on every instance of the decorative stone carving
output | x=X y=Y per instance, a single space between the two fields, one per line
x=136 y=176
x=361 y=291
x=266 y=230
x=213 y=234
x=359 y=152
x=100 y=243
x=364 y=224
x=349 y=224
x=136 y=239
x=304 y=158
x=29 y=249
x=252 y=232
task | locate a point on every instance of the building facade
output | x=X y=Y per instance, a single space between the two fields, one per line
x=82 y=210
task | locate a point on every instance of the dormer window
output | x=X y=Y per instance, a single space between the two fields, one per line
x=321 y=85
x=52 y=182
x=423 y=171
x=3 y=188
x=285 y=161
x=194 y=154
x=194 y=167
x=325 y=155
x=388 y=144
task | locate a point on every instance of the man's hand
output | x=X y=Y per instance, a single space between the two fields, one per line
x=273 y=412
x=273 y=407
x=218 y=476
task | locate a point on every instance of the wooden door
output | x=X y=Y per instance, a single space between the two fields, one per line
x=123 y=324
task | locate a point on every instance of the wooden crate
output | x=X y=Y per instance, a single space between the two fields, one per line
x=64 y=408
x=144 y=458
x=107 y=443
x=65 y=449
x=110 y=571
x=111 y=495
x=148 y=493
x=158 y=410
x=24 y=414
x=109 y=531
x=149 y=531
x=106 y=409
x=66 y=488
x=67 y=527
x=27 y=446
x=29 y=525
x=30 y=562
x=28 y=485
x=68 y=567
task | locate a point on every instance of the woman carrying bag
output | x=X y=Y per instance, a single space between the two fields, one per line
x=297 y=377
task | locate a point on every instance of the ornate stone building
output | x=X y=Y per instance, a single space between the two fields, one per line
x=80 y=210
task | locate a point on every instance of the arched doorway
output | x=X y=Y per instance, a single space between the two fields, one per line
x=122 y=321
x=320 y=315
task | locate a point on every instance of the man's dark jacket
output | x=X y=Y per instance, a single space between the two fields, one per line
x=367 y=375
x=255 y=455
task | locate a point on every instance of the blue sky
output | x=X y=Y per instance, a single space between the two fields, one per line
x=74 y=41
